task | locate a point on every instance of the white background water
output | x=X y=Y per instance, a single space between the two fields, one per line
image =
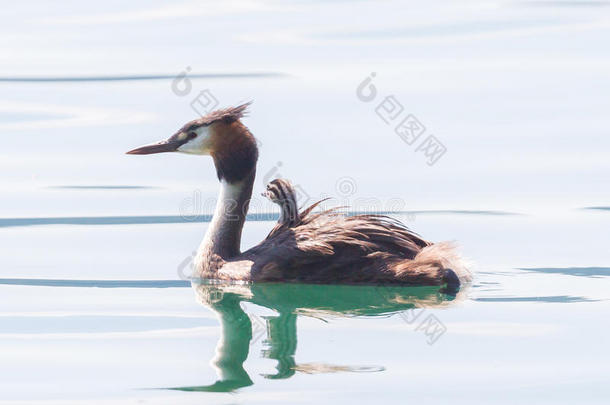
x=517 y=92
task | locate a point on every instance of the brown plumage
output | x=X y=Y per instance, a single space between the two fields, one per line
x=307 y=246
x=348 y=249
x=226 y=115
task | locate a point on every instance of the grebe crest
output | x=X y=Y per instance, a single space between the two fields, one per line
x=219 y=134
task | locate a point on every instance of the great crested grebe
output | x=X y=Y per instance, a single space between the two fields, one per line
x=324 y=247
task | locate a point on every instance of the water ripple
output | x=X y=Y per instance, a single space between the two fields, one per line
x=564 y=299
x=593 y=272
x=96 y=283
x=177 y=219
x=137 y=77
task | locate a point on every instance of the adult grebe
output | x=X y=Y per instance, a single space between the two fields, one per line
x=322 y=247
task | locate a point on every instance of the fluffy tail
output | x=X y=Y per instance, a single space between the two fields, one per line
x=439 y=263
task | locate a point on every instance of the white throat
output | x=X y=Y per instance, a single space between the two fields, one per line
x=223 y=236
x=226 y=207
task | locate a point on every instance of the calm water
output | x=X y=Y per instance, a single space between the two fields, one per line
x=94 y=244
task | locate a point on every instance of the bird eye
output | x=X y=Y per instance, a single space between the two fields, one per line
x=191 y=135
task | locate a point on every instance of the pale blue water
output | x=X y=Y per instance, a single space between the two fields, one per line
x=93 y=242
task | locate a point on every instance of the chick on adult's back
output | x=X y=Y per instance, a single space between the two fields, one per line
x=336 y=247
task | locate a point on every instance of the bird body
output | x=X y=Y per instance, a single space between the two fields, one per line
x=309 y=246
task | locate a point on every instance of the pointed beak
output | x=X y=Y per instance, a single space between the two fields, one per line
x=160 y=147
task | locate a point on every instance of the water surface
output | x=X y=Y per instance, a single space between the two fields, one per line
x=94 y=244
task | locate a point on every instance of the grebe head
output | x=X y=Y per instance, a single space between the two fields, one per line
x=219 y=134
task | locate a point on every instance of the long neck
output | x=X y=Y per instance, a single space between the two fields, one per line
x=223 y=237
x=234 y=152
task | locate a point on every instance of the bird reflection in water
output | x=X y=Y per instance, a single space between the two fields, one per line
x=290 y=301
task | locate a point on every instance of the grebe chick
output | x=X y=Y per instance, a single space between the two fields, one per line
x=281 y=192
x=325 y=247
